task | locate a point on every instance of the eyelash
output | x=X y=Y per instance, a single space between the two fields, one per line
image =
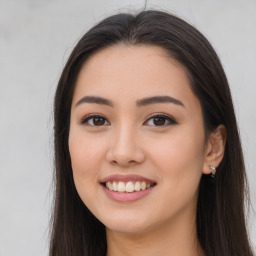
x=161 y=115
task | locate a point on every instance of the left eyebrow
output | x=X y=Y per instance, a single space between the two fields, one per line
x=158 y=99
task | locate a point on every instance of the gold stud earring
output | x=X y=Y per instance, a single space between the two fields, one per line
x=213 y=170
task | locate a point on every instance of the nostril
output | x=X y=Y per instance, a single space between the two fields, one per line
x=125 y=155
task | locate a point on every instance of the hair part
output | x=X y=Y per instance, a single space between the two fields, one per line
x=220 y=219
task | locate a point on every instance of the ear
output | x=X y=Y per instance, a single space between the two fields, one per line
x=215 y=149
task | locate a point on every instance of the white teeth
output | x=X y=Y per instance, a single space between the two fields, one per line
x=137 y=186
x=114 y=186
x=110 y=186
x=121 y=186
x=129 y=187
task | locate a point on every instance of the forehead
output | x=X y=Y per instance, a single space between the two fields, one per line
x=122 y=72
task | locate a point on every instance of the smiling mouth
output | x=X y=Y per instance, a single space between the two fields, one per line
x=128 y=187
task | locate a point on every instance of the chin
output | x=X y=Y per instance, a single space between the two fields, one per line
x=128 y=228
x=127 y=225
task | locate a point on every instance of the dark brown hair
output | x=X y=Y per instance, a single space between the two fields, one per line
x=220 y=220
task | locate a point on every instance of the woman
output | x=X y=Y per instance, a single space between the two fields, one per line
x=147 y=152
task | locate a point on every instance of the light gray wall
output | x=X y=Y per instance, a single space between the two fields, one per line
x=36 y=38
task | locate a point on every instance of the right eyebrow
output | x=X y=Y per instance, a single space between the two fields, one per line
x=94 y=99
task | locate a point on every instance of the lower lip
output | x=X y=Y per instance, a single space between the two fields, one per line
x=126 y=196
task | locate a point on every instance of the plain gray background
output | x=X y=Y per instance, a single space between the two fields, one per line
x=36 y=38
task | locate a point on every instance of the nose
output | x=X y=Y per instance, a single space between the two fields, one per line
x=125 y=149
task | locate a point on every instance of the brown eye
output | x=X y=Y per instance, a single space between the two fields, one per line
x=94 y=120
x=161 y=120
x=98 y=121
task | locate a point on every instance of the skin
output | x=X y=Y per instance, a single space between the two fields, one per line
x=128 y=141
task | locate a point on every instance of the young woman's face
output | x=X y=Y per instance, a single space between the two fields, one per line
x=136 y=141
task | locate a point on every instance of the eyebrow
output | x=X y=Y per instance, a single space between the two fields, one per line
x=139 y=103
x=158 y=99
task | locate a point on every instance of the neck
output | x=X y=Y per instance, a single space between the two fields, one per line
x=176 y=239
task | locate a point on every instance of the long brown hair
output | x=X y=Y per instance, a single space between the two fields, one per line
x=221 y=226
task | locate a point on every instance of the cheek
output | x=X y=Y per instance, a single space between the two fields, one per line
x=179 y=158
x=179 y=161
x=179 y=151
x=86 y=157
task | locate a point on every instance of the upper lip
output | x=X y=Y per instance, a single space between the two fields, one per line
x=125 y=178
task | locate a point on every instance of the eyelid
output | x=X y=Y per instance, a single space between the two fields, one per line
x=91 y=116
x=170 y=119
x=163 y=115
